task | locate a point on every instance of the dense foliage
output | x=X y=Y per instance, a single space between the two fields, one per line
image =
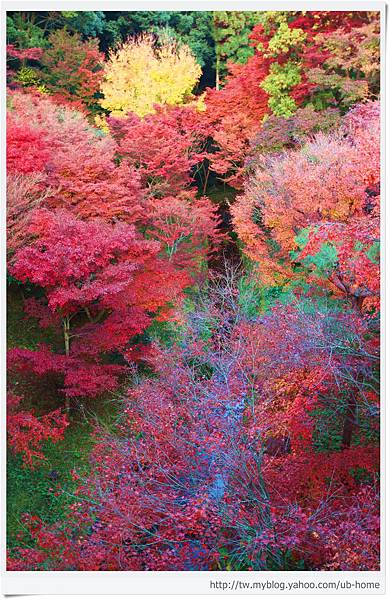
x=142 y=73
x=195 y=275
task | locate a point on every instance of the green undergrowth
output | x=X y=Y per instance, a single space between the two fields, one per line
x=24 y=332
x=47 y=489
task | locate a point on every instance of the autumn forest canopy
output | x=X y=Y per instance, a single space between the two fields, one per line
x=193 y=206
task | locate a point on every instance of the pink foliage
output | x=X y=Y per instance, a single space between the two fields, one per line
x=24 y=53
x=27 y=432
x=27 y=150
x=329 y=187
x=80 y=262
x=163 y=147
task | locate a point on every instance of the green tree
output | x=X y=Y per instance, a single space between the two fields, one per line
x=87 y=23
x=231 y=30
x=24 y=32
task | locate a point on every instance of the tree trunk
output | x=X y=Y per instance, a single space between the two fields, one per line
x=348 y=425
x=206 y=177
x=66 y=330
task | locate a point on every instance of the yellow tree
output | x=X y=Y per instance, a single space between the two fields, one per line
x=141 y=73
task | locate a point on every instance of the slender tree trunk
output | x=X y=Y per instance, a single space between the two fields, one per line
x=217 y=39
x=206 y=177
x=348 y=426
x=66 y=330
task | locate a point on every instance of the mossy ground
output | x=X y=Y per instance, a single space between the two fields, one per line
x=47 y=489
